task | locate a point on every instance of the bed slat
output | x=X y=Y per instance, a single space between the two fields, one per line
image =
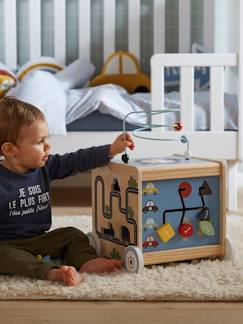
x=157 y=99
x=217 y=98
x=159 y=26
x=184 y=26
x=35 y=28
x=134 y=27
x=187 y=98
x=187 y=62
x=10 y=33
x=109 y=27
x=84 y=28
x=60 y=30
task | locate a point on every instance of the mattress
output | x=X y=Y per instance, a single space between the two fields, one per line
x=99 y=122
x=105 y=109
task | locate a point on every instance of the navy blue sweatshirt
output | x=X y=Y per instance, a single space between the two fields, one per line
x=25 y=207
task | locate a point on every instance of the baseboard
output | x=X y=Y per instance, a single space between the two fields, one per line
x=71 y=196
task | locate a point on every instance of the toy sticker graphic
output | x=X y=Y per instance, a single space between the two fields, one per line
x=150 y=242
x=150 y=189
x=150 y=207
x=150 y=224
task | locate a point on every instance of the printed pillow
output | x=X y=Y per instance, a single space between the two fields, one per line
x=43 y=63
x=7 y=80
x=201 y=74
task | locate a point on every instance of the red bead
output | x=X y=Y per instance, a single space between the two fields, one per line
x=178 y=126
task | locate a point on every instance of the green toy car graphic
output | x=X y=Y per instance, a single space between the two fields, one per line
x=150 y=189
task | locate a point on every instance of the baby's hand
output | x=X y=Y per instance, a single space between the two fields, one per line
x=120 y=143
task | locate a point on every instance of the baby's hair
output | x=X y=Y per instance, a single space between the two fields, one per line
x=14 y=114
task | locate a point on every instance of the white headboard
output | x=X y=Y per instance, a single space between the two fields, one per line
x=109 y=27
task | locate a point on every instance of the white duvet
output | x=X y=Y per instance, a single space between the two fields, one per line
x=62 y=107
x=108 y=99
x=114 y=100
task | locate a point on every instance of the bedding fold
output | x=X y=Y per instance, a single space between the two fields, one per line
x=62 y=107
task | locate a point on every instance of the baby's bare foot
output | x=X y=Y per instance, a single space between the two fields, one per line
x=101 y=265
x=66 y=274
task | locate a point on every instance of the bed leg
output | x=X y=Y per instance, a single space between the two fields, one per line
x=232 y=185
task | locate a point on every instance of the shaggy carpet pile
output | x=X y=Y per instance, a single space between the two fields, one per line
x=206 y=280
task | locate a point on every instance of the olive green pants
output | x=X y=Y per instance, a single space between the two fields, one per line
x=19 y=257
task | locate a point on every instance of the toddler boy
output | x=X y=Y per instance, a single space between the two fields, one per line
x=26 y=171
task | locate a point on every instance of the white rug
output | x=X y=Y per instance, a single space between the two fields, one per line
x=206 y=280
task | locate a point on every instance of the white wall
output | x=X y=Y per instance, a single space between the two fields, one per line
x=226 y=36
x=227 y=40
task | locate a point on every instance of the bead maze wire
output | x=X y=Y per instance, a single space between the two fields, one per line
x=148 y=126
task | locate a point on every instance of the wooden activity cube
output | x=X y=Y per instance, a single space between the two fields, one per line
x=152 y=211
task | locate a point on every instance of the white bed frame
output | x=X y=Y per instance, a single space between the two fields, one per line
x=216 y=143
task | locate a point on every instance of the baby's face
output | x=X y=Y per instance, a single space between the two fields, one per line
x=32 y=146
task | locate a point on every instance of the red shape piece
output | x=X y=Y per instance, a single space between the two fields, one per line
x=186 y=189
x=186 y=230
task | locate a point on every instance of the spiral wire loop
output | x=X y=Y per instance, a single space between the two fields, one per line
x=148 y=126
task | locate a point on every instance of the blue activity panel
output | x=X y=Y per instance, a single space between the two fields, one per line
x=180 y=213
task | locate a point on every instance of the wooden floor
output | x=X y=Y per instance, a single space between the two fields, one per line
x=26 y=312
x=48 y=311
